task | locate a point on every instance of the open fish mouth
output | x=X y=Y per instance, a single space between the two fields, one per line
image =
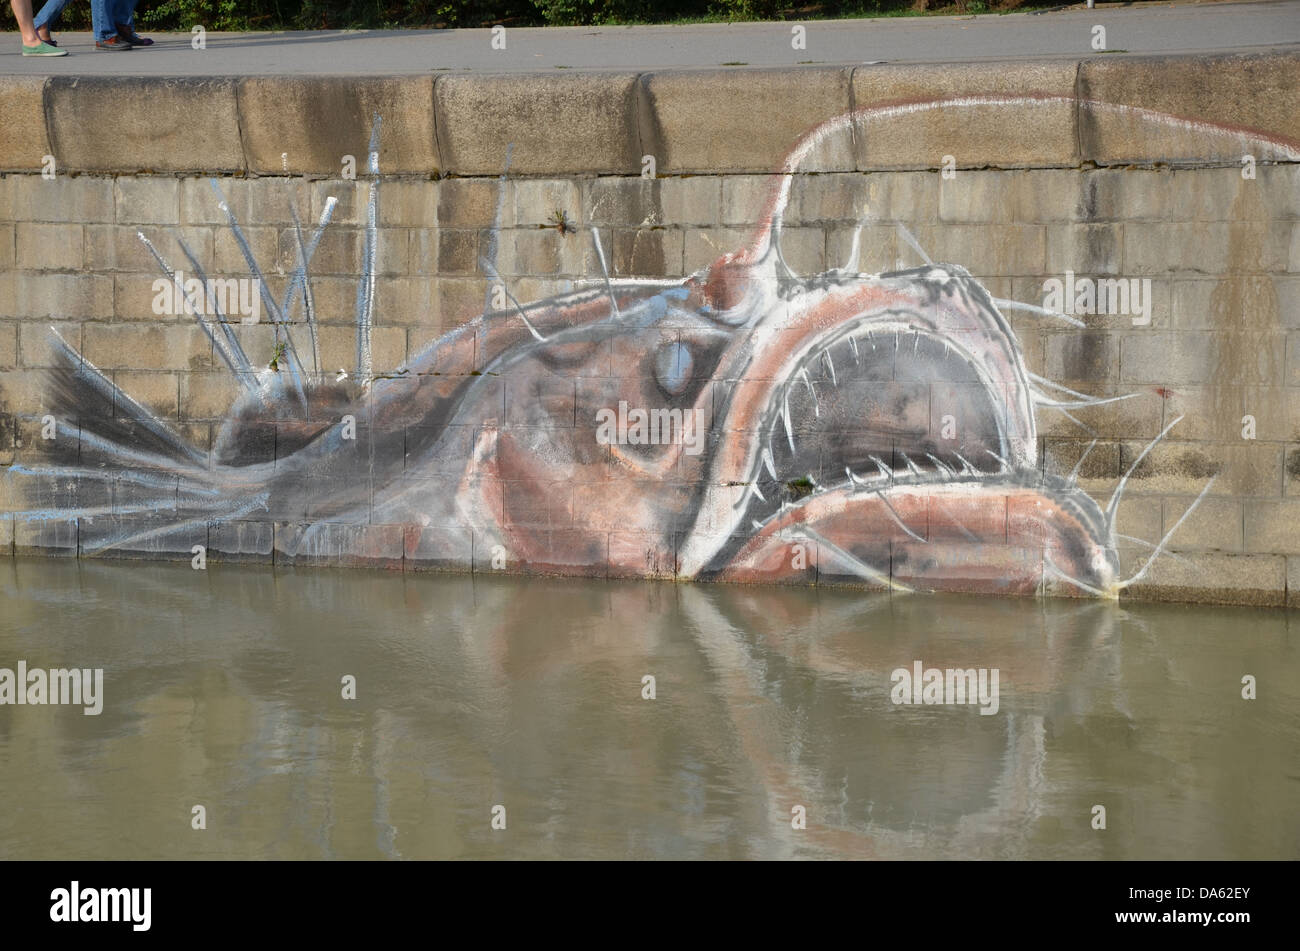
x=858 y=410
x=884 y=387
x=856 y=417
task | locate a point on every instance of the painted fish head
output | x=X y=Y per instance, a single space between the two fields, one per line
x=709 y=427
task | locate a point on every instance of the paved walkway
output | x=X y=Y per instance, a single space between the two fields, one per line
x=1130 y=30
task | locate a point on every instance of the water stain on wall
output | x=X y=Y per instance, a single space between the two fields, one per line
x=1249 y=338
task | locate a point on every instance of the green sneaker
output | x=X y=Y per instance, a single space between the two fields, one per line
x=43 y=49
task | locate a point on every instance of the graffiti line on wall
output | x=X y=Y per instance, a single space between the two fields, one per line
x=884 y=422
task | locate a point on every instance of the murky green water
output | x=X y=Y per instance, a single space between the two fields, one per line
x=223 y=688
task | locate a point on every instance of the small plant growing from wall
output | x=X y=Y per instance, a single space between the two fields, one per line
x=800 y=487
x=277 y=356
x=560 y=221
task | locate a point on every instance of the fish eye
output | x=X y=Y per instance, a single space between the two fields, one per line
x=673 y=364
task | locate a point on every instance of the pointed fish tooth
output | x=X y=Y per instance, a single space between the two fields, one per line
x=884 y=469
x=941 y=466
x=785 y=416
x=853 y=342
x=767 y=461
x=854 y=477
x=911 y=466
x=817 y=410
x=750 y=488
x=826 y=355
x=1005 y=464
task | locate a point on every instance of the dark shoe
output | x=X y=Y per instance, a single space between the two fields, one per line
x=112 y=43
x=127 y=35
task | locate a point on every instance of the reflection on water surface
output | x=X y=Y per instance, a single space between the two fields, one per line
x=223 y=688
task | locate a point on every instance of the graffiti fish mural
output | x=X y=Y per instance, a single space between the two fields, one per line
x=745 y=423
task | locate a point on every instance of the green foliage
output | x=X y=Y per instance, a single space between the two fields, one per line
x=747 y=9
x=183 y=14
x=589 y=12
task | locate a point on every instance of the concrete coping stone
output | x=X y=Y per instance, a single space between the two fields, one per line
x=1038 y=113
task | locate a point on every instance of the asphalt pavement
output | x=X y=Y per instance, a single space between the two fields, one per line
x=1130 y=29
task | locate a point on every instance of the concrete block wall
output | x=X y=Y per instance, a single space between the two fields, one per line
x=467 y=458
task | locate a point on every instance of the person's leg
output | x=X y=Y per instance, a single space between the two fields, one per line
x=23 y=14
x=124 y=16
x=48 y=17
x=124 y=13
x=33 y=45
x=101 y=20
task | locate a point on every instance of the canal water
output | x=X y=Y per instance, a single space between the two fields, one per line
x=524 y=701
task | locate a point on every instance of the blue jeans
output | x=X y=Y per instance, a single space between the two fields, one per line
x=105 y=15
